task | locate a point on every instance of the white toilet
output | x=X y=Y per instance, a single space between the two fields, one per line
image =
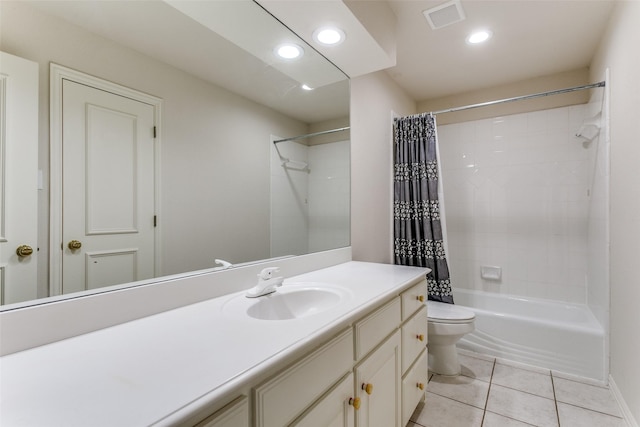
x=447 y=324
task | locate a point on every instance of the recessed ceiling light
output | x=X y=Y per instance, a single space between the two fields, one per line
x=479 y=37
x=289 y=51
x=329 y=36
x=306 y=87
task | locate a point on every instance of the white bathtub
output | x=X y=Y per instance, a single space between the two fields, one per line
x=560 y=336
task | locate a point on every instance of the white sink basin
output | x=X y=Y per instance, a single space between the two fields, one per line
x=288 y=302
x=293 y=304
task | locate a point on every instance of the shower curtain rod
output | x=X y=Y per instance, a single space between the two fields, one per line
x=293 y=138
x=519 y=98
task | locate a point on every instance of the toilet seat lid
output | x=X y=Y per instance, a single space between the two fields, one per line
x=448 y=313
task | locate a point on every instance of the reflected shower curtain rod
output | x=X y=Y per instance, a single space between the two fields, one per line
x=518 y=98
x=293 y=138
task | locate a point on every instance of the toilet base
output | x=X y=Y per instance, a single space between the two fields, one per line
x=443 y=359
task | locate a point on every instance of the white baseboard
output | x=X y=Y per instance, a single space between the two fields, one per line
x=626 y=412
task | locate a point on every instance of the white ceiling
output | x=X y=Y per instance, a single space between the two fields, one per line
x=530 y=39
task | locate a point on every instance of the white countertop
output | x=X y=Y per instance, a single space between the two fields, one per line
x=159 y=368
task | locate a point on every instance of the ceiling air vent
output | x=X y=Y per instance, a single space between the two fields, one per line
x=445 y=14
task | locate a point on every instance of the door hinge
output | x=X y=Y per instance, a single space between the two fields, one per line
x=155 y=220
x=154 y=132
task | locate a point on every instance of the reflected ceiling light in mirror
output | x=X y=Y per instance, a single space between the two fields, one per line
x=289 y=51
x=306 y=87
x=329 y=36
x=479 y=37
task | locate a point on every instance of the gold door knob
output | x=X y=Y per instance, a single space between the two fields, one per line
x=24 y=250
x=368 y=388
x=420 y=298
x=420 y=386
x=420 y=337
x=74 y=244
x=355 y=403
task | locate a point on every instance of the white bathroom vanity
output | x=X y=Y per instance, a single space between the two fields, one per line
x=356 y=358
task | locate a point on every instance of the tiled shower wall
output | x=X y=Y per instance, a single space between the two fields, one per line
x=310 y=208
x=289 y=195
x=329 y=196
x=516 y=194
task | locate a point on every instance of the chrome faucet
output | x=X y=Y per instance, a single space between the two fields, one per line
x=267 y=284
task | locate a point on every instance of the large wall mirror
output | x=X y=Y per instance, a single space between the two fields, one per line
x=235 y=175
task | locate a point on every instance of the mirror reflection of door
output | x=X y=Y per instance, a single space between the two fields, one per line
x=18 y=179
x=108 y=188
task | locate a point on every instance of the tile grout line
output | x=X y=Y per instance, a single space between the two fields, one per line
x=584 y=406
x=575 y=405
x=510 y=388
x=577 y=380
x=425 y=397
x=486 y=402
x=555 y=399
x=526 y=392
x=456 y=400
x=554 y=396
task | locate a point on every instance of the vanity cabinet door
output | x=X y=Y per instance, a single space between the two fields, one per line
x=378 y=386
x=283 y=398
x=235 y=414
x=335 y=409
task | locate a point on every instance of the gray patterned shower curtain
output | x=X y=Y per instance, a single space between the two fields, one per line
x=418 y=238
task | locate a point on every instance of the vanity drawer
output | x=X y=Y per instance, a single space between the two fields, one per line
x=417 y=376
x=282 y=398
x=414 y=337
x=413 y=299
x=371 y=330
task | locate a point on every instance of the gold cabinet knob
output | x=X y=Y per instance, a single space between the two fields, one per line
x=420 y=386
x=368 y=388
x=74 y=244
x=355 y=402
x=24 y=250
x=420 y=337
x=420 y=298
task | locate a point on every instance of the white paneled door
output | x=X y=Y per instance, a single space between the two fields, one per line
x=108 y=188
x=18 y=179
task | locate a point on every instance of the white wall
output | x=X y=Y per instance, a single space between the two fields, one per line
x=515 y=191
x=538 y=84
x=215 y=144
x=617 y=52
x=373 y=99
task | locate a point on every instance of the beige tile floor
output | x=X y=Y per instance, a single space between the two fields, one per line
x=496 y=393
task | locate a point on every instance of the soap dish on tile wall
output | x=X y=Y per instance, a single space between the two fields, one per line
x=491 y=273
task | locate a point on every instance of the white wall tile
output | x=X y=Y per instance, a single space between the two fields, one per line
x=523 y=204
x=537 y=121
x=557 y=119
x=329 y=196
